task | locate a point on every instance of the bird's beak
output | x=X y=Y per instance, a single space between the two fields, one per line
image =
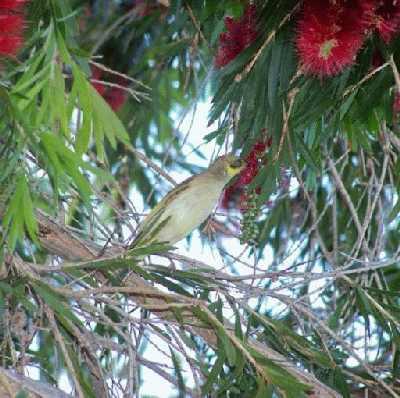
x=236 y=167
x=238 y=163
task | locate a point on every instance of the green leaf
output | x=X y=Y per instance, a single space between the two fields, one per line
x=19 y=214
x=347 y=104
x=112 y=125
x=394 y=212
x=238 y=326
x=227 y=346
x=22 y=394
x=65 y=160
x=82 y=91
x=29 y=216
x=279 y=376
x=264 y=390
x=58 y=100
x=340 y=383
x=213 y=375
x=273 y=76
x=295 y=342
x=396 y=355
x=178 y=372
x=218 y=134
x=364 y=307
x=56 y=302
x=79 y=370
x=305 y=152
x=285 y=381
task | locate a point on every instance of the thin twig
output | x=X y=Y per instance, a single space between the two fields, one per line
x=286 y=116
x=60 y=340
x=151 y=164
x=268 y=40
x=395 y=72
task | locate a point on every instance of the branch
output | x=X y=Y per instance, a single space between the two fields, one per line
x=12 y=382
x=62 y=241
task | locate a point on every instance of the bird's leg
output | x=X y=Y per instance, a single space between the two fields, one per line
x=171 y=265
x=209 y=227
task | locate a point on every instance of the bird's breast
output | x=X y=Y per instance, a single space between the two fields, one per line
x=188 y=211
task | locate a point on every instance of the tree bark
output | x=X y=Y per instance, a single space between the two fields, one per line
x=11 y=383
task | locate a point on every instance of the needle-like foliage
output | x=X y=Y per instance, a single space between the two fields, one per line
x=301 y=297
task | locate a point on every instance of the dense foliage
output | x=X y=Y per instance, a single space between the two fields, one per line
x=93 y=95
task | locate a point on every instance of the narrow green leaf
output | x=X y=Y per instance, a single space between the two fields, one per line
x=22 y=394
x=112 y=125
x=58 y=102
x=56 y=302
x=213 y=375
x=227 y=345
x=263 y=390
x=29 y=216
x=178 y=372
x=340 y=383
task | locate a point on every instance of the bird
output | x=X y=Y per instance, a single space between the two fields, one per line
x=187 y=205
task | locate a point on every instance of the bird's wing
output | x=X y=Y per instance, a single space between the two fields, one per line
x=154 y=219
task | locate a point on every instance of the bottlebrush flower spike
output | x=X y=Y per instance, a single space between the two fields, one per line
x=387 y=19
x=115 y=96
x=240 y=34
x=96 y=75
x=12 y=24
x=396 y=104
x=9 y=45
x=246 y=176
x=13 y=5
x=330 y=33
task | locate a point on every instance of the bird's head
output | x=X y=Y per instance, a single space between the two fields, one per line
x=227 y=166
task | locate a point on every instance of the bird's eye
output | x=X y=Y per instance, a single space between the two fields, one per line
x=237 y=163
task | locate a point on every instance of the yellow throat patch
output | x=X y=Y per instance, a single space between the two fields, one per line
x=234 y=169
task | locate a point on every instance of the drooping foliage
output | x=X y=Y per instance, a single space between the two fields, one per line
x=93 y=99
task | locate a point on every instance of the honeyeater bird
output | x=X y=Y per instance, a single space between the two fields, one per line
x=189 y=204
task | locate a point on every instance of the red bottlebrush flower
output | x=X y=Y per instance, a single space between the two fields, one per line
x=387 y=19
x=396 y=104
x=12 y=24
x=227 y=196
x=96 y=75
x=252 y=163
x=115 y=96
x=240 y=34
x=12 y=5
x=250 y=171
x=9 y=45
x=330 y=33
x=259 y=148
x=247 y=175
